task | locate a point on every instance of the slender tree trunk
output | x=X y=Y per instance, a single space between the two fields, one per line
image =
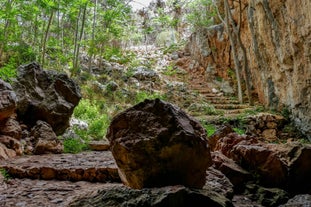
x=80 y=37
x=91 y=55
x=76 y=40
x=46 y=37
x=235 y=59
x=236 y=30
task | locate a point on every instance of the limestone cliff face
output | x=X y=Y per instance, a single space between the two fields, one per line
x=277 y=36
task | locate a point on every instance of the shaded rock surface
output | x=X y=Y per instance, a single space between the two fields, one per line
x=87 y=166
x=156 y=144
x=34 y=193
x=45 y=95
x=45 y=140
x=169 y=196
x=284 y=166
x=8 y=100
x=299 y=201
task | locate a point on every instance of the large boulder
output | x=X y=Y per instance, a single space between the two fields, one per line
x=7 y=100
x=45 y=95
x=157 y=144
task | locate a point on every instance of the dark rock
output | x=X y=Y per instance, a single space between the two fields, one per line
x=221 y=132
x=102 y=145
x=11 y=127
x=45 y=95
x=269 y=197
x=7 y=100
x=299 y=201
x=46 y=141
x=286 y=166
x=112 y=86
x=170 y=196
x=144 y=74
x=236 y=174
x=218 y=182
x=6 y=153
x=11 y=143
x=157 y=144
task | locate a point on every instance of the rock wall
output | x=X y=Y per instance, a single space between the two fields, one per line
x=277 y=36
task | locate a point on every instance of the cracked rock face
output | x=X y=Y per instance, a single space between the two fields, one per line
x=157 y=144
x=45 y=95
x=7 y=100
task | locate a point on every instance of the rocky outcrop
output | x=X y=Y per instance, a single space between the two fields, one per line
x=157 y=144
x=7 y=100
x=173 y=196
x=277 y=35
x=283 y=166
x=45 y=140
x=45 y=95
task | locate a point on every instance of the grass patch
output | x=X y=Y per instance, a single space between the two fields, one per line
x=5 y=174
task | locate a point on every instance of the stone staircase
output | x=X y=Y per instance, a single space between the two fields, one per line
x=56 y=179
x=228 y=107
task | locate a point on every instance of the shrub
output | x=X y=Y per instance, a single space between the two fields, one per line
x=86 y=110
x=98 y=127
x=73 y=145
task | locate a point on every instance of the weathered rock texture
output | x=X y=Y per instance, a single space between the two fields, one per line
x=277 y=35
x=7 y=100
x=172 y=196
x=45 y=140
x=157 y=144
x=285 y=166
x=45 y=95
x=87 y=166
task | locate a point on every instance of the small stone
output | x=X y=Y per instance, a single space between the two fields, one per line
x=99 y=145
x=269 y=134
x=272 y=125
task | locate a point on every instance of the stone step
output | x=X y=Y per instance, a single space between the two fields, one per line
x=87 y=166
x=237 y=111
x=231 y=106
x=223 y=101
x=50 y=193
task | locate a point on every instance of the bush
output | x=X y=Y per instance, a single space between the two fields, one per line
x=73 y=145
x=8 y=71
x=86 y=110
x=98 y=127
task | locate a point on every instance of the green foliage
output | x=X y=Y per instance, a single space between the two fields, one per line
x=86 y=110
x=239 y=131
x=96 y=117
x=98 y=127
x=5 y=174
x=169 y=71
x=8 y=71
x=142 y=95
x=72 y=145
x=210 y=129
x=201 y=14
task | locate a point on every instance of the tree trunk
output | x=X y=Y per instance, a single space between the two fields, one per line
x=80 y=38
x=91 y=55
x=46 y=37
x=76 y=41
x=236 y=32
